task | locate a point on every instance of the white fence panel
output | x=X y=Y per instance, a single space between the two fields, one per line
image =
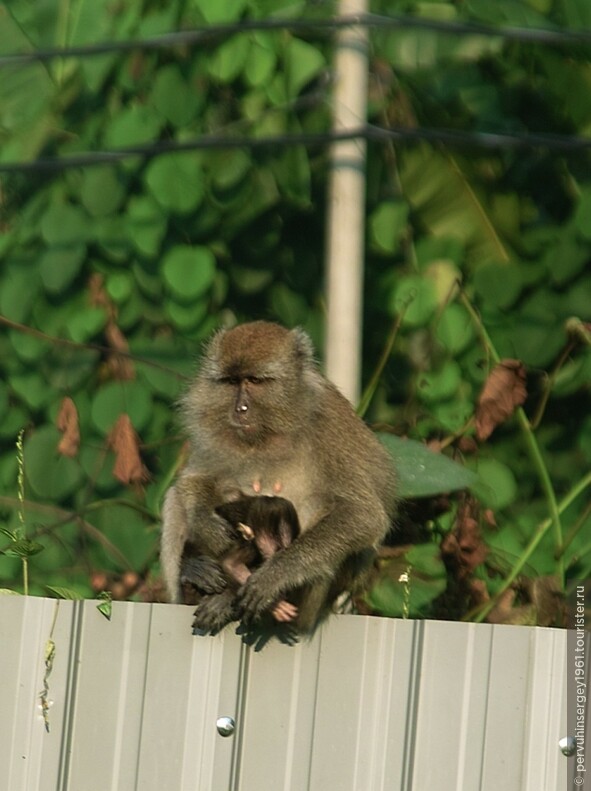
x=370 y=704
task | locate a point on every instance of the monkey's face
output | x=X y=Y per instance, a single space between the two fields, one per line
x=251 y=383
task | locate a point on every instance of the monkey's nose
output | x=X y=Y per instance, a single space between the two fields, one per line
x=242 y=408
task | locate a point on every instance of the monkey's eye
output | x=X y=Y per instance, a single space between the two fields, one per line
x=255 y=380
x=229 y=380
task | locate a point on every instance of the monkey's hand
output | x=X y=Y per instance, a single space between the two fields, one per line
x=258 y=635
x=214 y=612
x=203 y=573
x=260 y=593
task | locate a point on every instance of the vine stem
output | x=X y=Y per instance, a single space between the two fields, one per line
x=20 y=459
x=531 y=443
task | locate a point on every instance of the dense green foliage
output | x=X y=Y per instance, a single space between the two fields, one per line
x=473 y=254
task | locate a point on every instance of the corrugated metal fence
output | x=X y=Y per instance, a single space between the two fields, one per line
x=369 y=704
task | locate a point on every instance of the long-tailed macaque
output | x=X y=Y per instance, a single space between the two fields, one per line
x=263 y=526
x=262 y=420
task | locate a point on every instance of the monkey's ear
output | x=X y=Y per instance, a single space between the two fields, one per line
x=211 y=355
x=302 y=345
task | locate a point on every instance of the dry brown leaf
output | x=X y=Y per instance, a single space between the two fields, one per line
x=67 y=423
x=503 y=391
x=124 y=442
x=120 y=365
x=464 y=543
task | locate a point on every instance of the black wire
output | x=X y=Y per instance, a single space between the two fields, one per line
x=370 y=132
x=185 y=37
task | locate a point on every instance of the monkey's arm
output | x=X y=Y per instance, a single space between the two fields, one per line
x=316 y=556
x=188 y=516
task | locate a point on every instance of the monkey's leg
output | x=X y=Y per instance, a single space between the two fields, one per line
x=284 y=611
x=203 y=573
x=215 y=611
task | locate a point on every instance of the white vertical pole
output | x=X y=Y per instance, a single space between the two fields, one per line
x=346 y=209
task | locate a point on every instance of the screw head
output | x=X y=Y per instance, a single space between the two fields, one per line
x=567 y=745
x=225 y=725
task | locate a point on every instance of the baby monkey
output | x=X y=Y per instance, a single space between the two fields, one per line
x=264 y=526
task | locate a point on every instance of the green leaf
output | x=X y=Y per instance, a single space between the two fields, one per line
x=26 y=90
x=303 y=62
x=120 y=286
x=29 y=348
x=250 y=281
x=146 y=224
x=19 y=289
x=32 y=389
x=51 y=475
x=228 y=168
x=133 y=126
x=455 y=329
x=497 y=487
x=188 y=271
x=440 y=385
x=176 y=181
x=67 y=370
x=84 y=324
x=416 y=299
x=229 y=58
x=22 y=548
x=262 y=59
x=65 y=224
x=453 y=415
x=221 y=10
x=105 y=607
x=101 y=191
x=422 y=472
x=64 y=593
x=127 y=531
x=98 y=466
x=289 y=307
x=59 y=266
x=186 y=317
x=15 y=419
x=386 y=226
x=173 y=97
x=3 y=400
x=116 y=398
x=447 y=203
x=499 y=285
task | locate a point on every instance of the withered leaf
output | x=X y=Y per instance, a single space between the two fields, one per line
x=503 y=392
x=67 y=423
x=463 y=544
x=124 y=442
x=120 y=365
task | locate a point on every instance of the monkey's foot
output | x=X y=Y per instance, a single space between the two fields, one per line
x=284 y=612
x=215 y=612
x=203 y=573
